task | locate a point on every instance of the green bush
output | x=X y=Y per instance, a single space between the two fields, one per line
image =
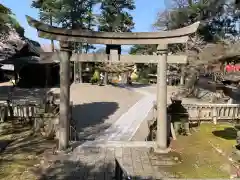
x=96 y=77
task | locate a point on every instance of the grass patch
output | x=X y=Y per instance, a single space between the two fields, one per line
x=200 y=160
x=20 y=157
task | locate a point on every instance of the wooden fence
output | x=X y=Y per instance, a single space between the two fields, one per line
x=24 y=111
x=27 y=111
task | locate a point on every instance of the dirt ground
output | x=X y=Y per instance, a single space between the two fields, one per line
x=21 y=151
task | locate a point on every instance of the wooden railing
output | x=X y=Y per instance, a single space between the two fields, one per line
x=211 y=112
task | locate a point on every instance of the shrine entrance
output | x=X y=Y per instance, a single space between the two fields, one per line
x=113 y=42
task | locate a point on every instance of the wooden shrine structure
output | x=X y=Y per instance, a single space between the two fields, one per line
x=113 y=41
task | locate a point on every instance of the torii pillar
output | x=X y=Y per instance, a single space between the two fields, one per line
x=163 y=129
x=64 y=118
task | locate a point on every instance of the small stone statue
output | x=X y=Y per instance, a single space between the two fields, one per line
x=179 y=116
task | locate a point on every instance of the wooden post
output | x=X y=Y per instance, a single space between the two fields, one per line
x=182 y=80
x=64 y=124
x=105 y=73
x=80 y=72
x=162 y=122
x=79 y=65
x=75 y=72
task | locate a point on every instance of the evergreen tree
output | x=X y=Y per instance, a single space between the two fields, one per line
x=48 y=9
x=218 y=21
x=4 y=14
x=71 y=14
x=8 y=18
x=115 y=16
x=216 y=16
x=142 y=49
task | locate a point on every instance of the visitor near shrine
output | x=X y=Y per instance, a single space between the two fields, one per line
x=101 y=79
x=230 y=67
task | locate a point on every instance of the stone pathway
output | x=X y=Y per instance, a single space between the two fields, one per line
x=125 y=127
x=129 y=122
x=87 y=164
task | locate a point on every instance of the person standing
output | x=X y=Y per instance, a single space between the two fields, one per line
x=101 y=79
x=129 y=79
x=120 y=78
x=230 y=67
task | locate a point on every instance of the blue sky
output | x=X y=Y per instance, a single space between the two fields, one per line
x=144 y=15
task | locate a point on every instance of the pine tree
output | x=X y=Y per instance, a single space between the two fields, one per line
x=8 y=18
x=48 y=9
x=115 y=16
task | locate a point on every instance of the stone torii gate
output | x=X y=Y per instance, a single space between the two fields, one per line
x=113 y=40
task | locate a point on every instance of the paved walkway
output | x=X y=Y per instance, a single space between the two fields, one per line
x=87 y=164
x=126 y=126
x=129 y=122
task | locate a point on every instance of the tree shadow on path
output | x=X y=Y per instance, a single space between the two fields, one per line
x=89 y=164
x=90 y=118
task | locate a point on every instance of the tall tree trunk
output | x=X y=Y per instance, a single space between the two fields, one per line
x=190 y=2
x=47 y=65
x=51 y=23
x=78 y=65
x=89 y=25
